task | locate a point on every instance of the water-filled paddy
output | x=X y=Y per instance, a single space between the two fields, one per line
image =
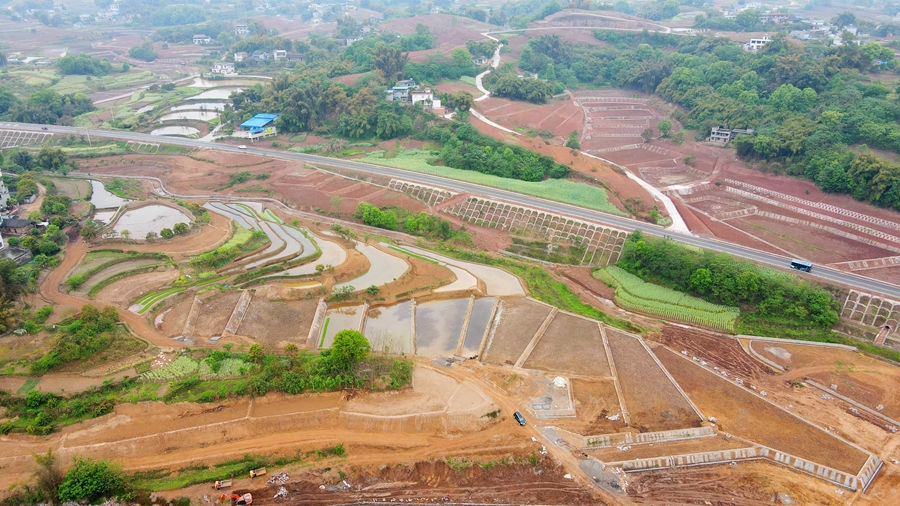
x=102 y=198
x=389 y=328
x=201 y=106
x=139 y=222
x=341 y=318
x=216 y=94
x=438 y=325
x=176 y=130
x=186 y=115
x=478 y=322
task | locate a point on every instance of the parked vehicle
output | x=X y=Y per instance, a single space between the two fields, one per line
x=257 y=472
x=519 y=418
x=220 y=484
x=238 y=499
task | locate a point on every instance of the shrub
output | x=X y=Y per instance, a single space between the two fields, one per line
x=90 y=480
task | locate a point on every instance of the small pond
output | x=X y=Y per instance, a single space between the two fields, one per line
x=389 y=328
x=176 y=130
x=102 y=198
x=154 y=218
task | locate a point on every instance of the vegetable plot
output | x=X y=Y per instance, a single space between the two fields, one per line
x=635 y=294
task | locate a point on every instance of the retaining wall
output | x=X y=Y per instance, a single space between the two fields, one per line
x=630 y=438
x=603 y=245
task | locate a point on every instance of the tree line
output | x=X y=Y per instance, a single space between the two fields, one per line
x=814 y=108
x=771 y=302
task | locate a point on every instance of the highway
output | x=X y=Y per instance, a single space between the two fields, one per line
x=822 y=272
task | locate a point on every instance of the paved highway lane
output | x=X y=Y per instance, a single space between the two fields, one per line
x=825 y=273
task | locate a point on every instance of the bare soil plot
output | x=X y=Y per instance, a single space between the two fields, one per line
x=517 y=320
x=651 y=399
x=719 y=349
x=450 y=32
x=174 y=313
x=273 y=322
x=595 y=400
x=572 y=345
x=707 y=444
x=865 y=379
x=745 y=415
x=437 y=481
x=559 y=116
x=744 y=483
x=126 y=290
x=212 y=314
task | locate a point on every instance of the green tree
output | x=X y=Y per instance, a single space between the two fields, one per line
x=572 y=141
x=256 y=353
x=349 y=347
x=166 y=233
x=180 y=228
x=664 y=126
x=90 y=480
x=91 y=229
x=390 y=61
x=53 y=159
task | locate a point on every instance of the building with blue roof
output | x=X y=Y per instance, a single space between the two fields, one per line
x=261 y=125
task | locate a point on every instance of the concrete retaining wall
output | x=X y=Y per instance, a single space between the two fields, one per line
x=629 y=438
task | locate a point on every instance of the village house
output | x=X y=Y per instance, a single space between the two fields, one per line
x=240 y=56
x=15 y=226
x=756 y=43
x=201 y=39
x=261 y=125
x=724 y=135
x=223 y=68
x=241 y=30
x=279 y=54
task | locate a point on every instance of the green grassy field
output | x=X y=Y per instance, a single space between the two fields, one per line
x=565 y=191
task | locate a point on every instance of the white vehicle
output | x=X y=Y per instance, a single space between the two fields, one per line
x=242 y=146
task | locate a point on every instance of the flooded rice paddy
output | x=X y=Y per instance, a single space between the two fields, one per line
x=139 y=222
x=190 y=115
x=101 y=198
x=176 y=130
x=438 y=326
x=389 y=328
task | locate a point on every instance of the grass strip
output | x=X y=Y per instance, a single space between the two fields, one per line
x=28 y=386
x=560 y=190
x=414 y=255
x=324 y=332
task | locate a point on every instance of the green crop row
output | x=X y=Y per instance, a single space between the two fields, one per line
x=634 y=294
x=720 y=321
x=640 y=288
x=230 y=368
x=181 y=367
